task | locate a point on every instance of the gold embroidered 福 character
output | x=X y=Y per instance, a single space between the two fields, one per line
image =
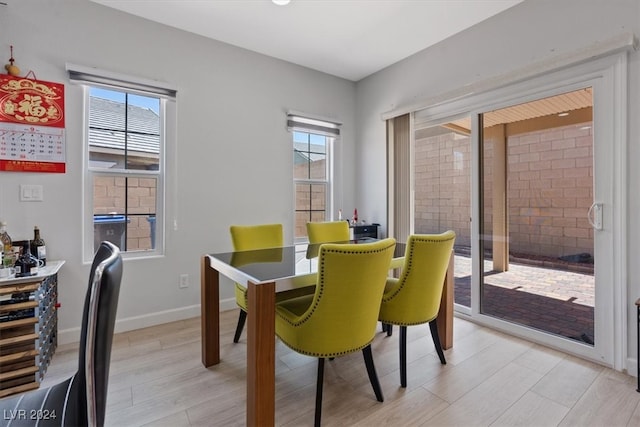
x=31 y=107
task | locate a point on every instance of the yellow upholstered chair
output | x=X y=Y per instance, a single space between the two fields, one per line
x=247 y=238
x=328 y=231
x=341 y=316
x=414 y=297
x=254 y=237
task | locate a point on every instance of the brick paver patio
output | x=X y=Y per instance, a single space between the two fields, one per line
x=551 y=300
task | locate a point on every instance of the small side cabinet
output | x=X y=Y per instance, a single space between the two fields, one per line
x=28 y=328
x=365 y=230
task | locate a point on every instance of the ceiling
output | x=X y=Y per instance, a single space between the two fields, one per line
x=346 y=38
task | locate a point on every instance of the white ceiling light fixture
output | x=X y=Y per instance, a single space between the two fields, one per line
x=281 y=2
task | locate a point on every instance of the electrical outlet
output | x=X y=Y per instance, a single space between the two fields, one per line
x=184 y=281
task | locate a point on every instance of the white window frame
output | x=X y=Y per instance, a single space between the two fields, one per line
x=90 y=77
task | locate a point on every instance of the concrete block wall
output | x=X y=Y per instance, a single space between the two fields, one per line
x=549 y=190
x=442 y=185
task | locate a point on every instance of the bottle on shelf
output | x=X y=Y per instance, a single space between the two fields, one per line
x=38 y=248
x=355 y=216
x=7 y=246
x=27 y=264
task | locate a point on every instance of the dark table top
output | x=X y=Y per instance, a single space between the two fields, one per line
x=275 y=264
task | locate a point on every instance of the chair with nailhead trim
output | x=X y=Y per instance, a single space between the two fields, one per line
x=341 y=317
x=414 y=297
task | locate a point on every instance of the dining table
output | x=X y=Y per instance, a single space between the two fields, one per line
x=266 y=272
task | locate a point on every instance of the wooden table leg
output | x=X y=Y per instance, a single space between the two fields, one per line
x=261 y=347
x=209 y=313
x=445 y=315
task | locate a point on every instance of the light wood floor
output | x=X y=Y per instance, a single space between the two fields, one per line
x=491 y=379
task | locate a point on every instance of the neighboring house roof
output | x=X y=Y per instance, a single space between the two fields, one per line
x=107 y=126
x=304 y=153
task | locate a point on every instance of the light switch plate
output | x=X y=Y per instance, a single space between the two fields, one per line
x=31 y=193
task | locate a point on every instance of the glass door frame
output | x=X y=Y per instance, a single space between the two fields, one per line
x=608 y=77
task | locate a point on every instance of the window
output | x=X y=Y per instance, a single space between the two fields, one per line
x=124 y=174
x=124 y=139
x=312 y=172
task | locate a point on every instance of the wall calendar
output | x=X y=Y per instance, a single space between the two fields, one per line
x=32 y=133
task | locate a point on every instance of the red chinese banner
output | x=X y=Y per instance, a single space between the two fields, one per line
x=32 y=134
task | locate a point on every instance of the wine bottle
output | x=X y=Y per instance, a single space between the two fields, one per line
x=7 y=246
x=27 y=264
x=38 y=248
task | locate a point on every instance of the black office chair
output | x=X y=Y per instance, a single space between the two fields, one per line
x=80 y=400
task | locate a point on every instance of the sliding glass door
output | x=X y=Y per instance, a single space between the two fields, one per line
x=531 y=177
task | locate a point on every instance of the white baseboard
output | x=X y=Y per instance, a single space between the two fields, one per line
x=72 y=335
x=226 y=304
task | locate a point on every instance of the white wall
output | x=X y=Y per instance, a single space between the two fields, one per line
x=234 y=159
x=533 y=31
